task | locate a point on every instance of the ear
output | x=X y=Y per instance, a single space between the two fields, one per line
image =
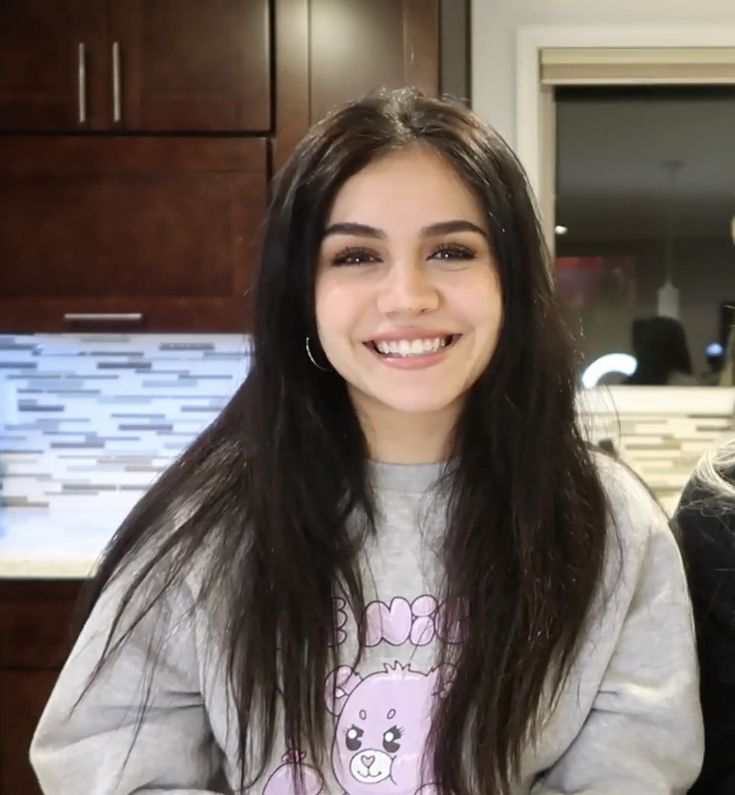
x=338 y=688
x=442 y=676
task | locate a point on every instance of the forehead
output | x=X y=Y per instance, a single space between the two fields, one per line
x=408 y=189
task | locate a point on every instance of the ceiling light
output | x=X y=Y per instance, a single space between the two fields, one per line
x=560 y=230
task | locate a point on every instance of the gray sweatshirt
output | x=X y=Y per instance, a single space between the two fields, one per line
x=628 y=721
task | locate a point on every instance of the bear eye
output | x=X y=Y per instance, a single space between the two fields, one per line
x=353 y=738
x=391 y=738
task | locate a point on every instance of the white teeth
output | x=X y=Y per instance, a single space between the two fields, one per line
x=404 y=348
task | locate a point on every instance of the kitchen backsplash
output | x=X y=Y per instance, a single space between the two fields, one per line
x=87 y=422
x=661 y=432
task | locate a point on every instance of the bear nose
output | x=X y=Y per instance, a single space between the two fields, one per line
x=367 y=761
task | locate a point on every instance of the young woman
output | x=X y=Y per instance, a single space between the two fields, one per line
x=391 y=565
x=705 y=520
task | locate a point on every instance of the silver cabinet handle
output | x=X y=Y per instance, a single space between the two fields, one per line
x=117 y=317
x=116 y=106
x=82 y=81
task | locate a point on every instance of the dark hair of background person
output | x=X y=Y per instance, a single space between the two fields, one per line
x=660 y=348
x=704 y=526
x=271 y=489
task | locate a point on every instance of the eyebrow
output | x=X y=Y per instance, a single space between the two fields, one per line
x=433 y=230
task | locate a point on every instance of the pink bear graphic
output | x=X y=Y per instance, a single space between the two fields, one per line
x=383 y=725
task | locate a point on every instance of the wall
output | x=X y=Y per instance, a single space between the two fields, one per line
x=495 y=22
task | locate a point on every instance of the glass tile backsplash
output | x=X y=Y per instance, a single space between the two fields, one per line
x=87 y=422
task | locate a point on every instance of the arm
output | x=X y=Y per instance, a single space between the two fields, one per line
x=706 y=534
x=643 y=734
x=90 y=749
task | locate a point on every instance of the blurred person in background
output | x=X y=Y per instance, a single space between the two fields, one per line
x=662 y=353
x=705 y=525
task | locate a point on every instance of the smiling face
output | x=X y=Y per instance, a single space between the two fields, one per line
x=408 y=298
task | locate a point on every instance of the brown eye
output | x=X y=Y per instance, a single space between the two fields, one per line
x=354 y=256
x=453 y=251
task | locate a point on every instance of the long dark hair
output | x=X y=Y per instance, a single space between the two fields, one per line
x=272 y=488
x=660 y=347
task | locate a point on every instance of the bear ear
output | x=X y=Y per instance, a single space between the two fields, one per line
x=338 y=688
x=443 y=676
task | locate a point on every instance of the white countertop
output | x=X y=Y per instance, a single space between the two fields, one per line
x=63 y=541
x=659 y=400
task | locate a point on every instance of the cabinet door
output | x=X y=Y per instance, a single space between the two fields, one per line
x=36 y=635
x=48 y=57
x=191 y=65
x=23 y=695
x=148 y=234
x=37 y=622
x=331 y=51
x=356 y=47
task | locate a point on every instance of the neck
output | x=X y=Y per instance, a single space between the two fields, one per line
x=397 y=437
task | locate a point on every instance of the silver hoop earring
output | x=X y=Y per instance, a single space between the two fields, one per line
x=313 y=360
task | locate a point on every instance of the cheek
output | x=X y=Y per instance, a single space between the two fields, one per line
x=479 y=302
x=492 y=296
x=338 y=308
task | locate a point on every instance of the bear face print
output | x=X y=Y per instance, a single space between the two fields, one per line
x=384 y=721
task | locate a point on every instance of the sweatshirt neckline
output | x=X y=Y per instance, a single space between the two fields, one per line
x=405 y=478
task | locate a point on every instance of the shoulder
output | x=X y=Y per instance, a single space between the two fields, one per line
x=631 y=505
x=641 y=545
x=166 y=572
x=621 y=483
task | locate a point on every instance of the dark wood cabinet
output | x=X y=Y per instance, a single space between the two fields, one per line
x=137 y=138
x=46 y=52
x=137 y=65
x=23 y=695
x=138 y=233
x=36 y=634
x=191 y=65
x=357 y=47
x=331 y=51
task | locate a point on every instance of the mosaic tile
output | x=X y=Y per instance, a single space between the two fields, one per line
x=88 y=422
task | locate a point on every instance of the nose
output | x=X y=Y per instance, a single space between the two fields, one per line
x=407 y=289
x=367 y=761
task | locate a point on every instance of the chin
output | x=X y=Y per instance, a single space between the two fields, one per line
x=420 y=403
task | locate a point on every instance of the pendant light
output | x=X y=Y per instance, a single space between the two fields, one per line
x=668 y=294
